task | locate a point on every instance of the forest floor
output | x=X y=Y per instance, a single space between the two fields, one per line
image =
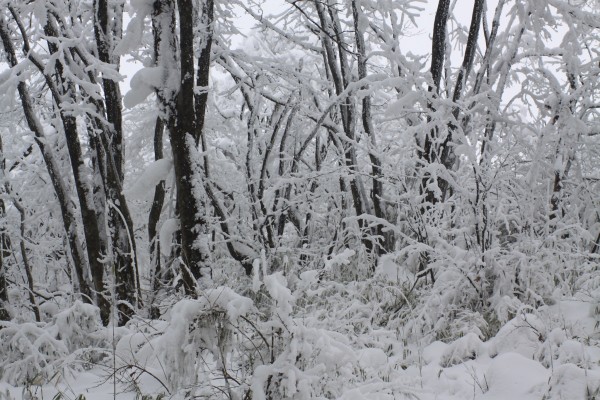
x=550 y=353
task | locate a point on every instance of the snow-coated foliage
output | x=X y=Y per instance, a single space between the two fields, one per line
x=30 y=353
x=36 y=352
x=198 y=329
x=79 y=327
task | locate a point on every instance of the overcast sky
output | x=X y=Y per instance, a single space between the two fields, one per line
x=416 y=41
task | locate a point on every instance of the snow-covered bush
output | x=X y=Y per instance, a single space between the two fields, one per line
x=30 y=353
x=199 y=336
x=271 y=346
x=79 y=327
x=309 y=360
x=37 y=351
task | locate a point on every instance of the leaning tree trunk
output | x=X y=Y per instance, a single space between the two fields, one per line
x=4 y=250
x=60 y=187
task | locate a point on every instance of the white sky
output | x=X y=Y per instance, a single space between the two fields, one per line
x=419 y=41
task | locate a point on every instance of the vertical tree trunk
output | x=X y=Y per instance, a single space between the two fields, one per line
x=154 y=218
x=165 y=56
x=107 y=29
x=188 y=174
x=428 y=152
x=367 y=121
x=4 y=313
x=201 y=98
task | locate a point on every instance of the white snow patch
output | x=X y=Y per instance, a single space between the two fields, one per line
x=433 y=353
x=573 y=383
x=468 y=347
x=143 y=84
x=372 y=358
x=276 y=285
x=151 y=176
x=392 y=271
x=168 y=228
x=523 y=334
x=342 y=258
x=256 y=282
x=512 y=376
x=308 y=278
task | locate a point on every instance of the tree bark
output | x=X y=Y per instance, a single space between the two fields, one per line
x=188 y=176
x=107 y=29
x=154 y=218
x=26 y=264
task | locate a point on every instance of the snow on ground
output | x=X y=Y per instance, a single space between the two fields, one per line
x=92 y=384
x=550 y=354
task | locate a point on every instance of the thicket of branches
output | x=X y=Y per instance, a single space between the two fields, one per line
x=320 y=146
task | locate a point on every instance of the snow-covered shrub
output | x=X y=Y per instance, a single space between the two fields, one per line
x=35 y=351
x=514 y=376
x=79 y=327
x=197 y=329
x=137 y=347
x=449 y=309
x=29 y=353
x=305 y=367
x=572 y=352
x=273 y=346
x=309 y=360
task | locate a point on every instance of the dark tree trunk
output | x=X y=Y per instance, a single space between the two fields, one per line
x=154 y=218
x=428 y=152
x=341 y=79
x=188 y=175
x=201 y=98
x=438 y=44
x=165 y=50
x=121 y=225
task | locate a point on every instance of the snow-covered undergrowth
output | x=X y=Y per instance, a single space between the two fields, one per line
x=304 y=337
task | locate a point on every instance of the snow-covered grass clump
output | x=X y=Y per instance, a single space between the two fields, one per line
x=36 y=352
x=29 y=353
